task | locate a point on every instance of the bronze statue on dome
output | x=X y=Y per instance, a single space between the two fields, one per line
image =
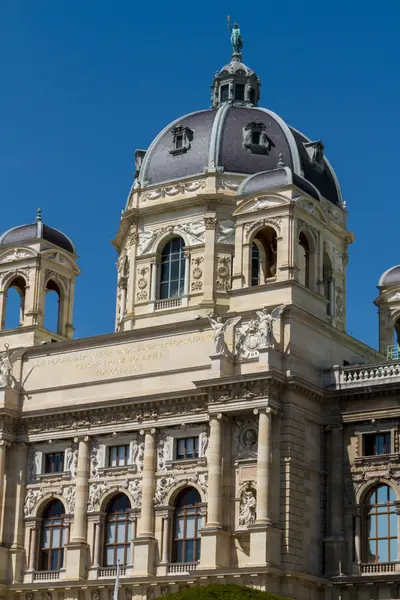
x=236 y=38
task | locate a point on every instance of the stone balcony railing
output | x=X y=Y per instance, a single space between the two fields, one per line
x=182 y=568
x=108 y=572
x=47 y=575
x=353 y=376
x=378 y=568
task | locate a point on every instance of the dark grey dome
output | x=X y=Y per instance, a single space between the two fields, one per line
x=36 y=231
x=390 y=276
x=217 y=143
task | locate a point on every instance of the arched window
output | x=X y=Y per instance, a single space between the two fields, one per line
x=52 y=307
x=303 y=262
x=172 y=275
x=328 y=284
x=53 y=537
x=263 y=256
x=118 y=532
x=381 y=525
x=187 y=524
x=15 y=304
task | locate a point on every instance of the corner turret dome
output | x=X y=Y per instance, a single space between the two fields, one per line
x=37 y=231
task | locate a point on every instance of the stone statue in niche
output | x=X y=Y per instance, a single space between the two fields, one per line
x=219 y=328
x=248 y=503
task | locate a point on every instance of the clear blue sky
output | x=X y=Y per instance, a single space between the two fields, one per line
x=85 y=83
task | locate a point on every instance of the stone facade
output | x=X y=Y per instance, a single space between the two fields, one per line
x=224 y=390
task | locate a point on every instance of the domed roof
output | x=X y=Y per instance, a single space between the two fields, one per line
x=217 y=143
x=390 y=276
x=235 y=67
x=36 y=231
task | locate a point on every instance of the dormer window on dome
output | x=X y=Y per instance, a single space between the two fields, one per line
x=181 y=139
x=315 y=151
x=255 y=138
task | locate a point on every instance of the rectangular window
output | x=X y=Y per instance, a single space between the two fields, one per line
x=255 y=137
x=54 y=462
x=179 y=141
x=377 y=443
x=187 y=448
x=239 y=91
x=224 y=93
x=118 y=456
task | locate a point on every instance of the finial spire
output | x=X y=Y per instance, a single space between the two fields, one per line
x=38 y=216
x=236 y=40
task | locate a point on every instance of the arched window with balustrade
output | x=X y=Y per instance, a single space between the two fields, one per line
x=53 y=537
x=172 y=269
x=118 y=532
x=380 y=526
x=188 y=522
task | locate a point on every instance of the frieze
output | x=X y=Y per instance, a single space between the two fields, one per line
x=241 y=390
x=174 y=190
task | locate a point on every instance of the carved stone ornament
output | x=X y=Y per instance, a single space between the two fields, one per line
x=261 y=203
x=337 y=258
x=96 y=490
x=228 y=184
x=164 y=442
x=244 y=438
x=50 y=274
x=16 y=254
x=5 y=369
x=142 y=283
x=97 y=457
x=394 y=297
x=174 y=190
x=304 y=226
x=69 y=495
x=223 y=282
x=166 y=483
x=14 y=273
x=226 y=232
x=249 y=228
x=248 y=504
x=210 y=222
x=31 y=499
x=258 y=333
x=193 y=231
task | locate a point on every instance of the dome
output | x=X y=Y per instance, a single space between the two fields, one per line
x=390 y=277
x=216 y=141
x=36 y=231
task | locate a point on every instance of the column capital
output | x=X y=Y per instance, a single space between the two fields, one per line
x=84 y=438
x=151 y=430
x=267 y=410
x=5 y=443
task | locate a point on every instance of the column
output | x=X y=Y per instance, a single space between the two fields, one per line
x=263 y=465
x=357 y=536
x=33 y=548
x=210 y=223
x=82 y=491
x=154 y=277
x=20 y=464
x=144 y=546
x=148 y=484
x=97 y=543
x=166 y=534
x=214 y=473
x=3 y=447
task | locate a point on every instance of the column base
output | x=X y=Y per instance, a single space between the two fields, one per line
x=144 y=554
x=77 y=560
x=215 y=548
x=265 y=545
x=335 y=555
x=162 y=569
x=4 y=564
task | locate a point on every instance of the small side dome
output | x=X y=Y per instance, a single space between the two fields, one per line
x=37 y=231
x=390 y=277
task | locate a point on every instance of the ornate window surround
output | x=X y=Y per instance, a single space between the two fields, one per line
x=375 y=428
x=190 y=432
x=185 y=135
x=52 y=448
x=263 y=146
x=108 y=442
